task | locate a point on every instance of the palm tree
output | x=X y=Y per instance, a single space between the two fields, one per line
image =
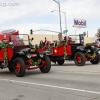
x=84 y=33
x=98 y=32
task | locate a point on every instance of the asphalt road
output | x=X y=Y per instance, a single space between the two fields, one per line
x=67 y=82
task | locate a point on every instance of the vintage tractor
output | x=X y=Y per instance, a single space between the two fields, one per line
x=72 y=51
x=19 y=55
x=96 y=44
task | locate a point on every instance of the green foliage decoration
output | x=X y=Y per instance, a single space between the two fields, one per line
x=4 y=47
x=35 y=63
x=36 y=46
x=92 y=56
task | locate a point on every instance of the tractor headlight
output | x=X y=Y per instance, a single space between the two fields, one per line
x=28 y=55
x=99 y=51
x=88 y=50
x=41 y=55
x=11 y=44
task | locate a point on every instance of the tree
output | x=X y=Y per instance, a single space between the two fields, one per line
x=84 y=33
x=98 y=32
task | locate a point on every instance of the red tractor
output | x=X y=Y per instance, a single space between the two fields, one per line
x=72 y=51
x=19 y=56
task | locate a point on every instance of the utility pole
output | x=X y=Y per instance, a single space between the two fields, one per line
x=58 y=2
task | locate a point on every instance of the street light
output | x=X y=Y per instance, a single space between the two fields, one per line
x=65 y=20
x=58 y=2
x=75 y=31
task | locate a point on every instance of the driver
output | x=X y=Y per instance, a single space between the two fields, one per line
x=3 y=42
x=69 y=41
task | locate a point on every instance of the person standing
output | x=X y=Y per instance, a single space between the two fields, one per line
x=96 y=43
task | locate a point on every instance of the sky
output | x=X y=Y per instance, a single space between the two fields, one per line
x=36 y=14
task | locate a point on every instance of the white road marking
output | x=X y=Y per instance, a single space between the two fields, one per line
x=52 y=86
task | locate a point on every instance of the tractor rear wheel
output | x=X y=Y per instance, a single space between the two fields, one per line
x=79 y=59
x=46 y=68
x=11 y=69
x=60 y=62
x=19 y=67
x=10 y=66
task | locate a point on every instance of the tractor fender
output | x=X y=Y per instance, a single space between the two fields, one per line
x=79 y=48
x=17 y=54
x=23 y=52
x=20 y=53
x=46 y=52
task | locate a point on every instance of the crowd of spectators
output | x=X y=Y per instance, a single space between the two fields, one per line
x=54 y=43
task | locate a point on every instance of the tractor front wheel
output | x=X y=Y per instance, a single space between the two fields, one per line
x=79 y=59
x=19 y=67
x=97 y=59
x=47 y=66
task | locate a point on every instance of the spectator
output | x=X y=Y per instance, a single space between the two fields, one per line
x=97 y=43
x=47 y=43
x=69 y=41
x=41 y=43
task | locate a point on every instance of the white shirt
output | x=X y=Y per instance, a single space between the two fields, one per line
x=96 y=42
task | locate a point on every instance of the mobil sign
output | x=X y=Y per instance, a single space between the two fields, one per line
x=81 y=23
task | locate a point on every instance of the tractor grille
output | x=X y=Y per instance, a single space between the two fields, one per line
x=34 y=55
x=33 y=50
x=35 y=59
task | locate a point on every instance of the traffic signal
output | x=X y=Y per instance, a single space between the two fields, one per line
x=81 y=37
x=59 y=36
x=31 y=31
x=65 y=38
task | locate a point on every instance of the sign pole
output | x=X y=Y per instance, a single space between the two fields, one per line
x=66 y=26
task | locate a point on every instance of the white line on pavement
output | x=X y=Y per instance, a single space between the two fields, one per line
x=52 y=86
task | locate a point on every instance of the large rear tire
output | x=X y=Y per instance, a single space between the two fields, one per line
x=11 y=69
x=60 y=62
x=10 y=66
x=46 y=68
x=79 y=59
x=97 y=60
x=19 y=67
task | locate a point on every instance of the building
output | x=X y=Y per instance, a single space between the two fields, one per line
x=39 y=37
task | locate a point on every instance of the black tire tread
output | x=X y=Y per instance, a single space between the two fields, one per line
x=98 y=59
x=83 y=57
x=48 y=65
x=21 y=61
x=60 y=62
x=11 y=69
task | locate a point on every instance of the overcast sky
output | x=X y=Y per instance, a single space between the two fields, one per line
x=36 y=14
